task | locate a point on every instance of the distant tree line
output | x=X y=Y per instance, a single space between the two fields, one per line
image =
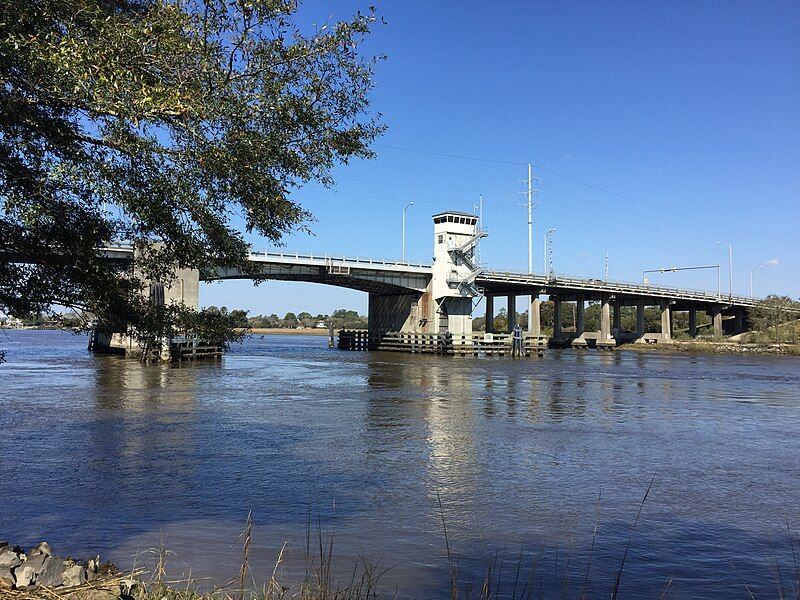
x=342 y=319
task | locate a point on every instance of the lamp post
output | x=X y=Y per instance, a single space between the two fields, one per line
x=730 y=268
x=751 y=279
x=409 y=205
x=548 y=252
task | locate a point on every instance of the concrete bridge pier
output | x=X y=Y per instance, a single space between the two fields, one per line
x=557 y=335
x=639 y=319
x=666 y=321
x=738 y=323
x=693 y=322
x=716 y=319
x=512 y=312
x=489 y=328
x=580 y=322
x=616 y=330
x=535 y=317
x=606 y=339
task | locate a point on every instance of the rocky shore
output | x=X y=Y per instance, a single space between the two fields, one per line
x=37 y=570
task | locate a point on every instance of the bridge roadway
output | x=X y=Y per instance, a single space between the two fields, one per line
x=392 y=276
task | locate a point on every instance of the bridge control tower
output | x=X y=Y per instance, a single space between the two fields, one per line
x=455 y=269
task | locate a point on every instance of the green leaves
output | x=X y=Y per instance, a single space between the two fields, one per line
x=156 y=120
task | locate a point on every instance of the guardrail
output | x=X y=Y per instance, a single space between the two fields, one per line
x=614 y=286
x=335 y=258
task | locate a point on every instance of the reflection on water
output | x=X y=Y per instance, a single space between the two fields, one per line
x=100 y=453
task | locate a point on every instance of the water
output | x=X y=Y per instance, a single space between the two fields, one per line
x=102 y=454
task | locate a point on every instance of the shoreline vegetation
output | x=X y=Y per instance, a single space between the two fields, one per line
x=524 y=575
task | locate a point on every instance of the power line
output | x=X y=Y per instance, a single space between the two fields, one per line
x=591 y=187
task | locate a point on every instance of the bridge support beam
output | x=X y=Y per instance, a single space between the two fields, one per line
x=489 y=327
x=716 y=318
x=693 y=322
x=606 y=339
x=534 y=316
x=512 y=312
x=666 y=321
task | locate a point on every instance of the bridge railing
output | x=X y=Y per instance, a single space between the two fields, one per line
x=329 y=258
x=617 y=285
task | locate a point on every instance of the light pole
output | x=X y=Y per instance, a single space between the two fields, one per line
x=730 y=268
x=409 y=205
x=751 y=279
x=548 y=252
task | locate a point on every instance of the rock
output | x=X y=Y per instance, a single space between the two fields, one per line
x=3 y=544
x=9 y=558
x=92 y=567
x=41 y=548
x=26 y=574
x=74 y=573
x=51 y=575
x=39 y=570
x=6 y=578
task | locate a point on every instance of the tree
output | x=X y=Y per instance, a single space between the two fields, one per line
x=769 y=314
x=155 y=121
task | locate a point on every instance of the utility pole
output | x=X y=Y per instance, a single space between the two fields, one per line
x=548 y=251
x=530 y=219
x=606 y=265
x=480 y=226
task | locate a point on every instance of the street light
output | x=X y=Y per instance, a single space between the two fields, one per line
x=409 y=205
x=751 y=279
x=730 y=267
x=548 y=251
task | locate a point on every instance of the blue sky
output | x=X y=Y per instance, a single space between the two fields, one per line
x=655 y=129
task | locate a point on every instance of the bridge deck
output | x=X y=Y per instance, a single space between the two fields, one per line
x=492 y=281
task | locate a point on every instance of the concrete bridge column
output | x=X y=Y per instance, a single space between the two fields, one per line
x=639 y=319
x=617 y=327
x=580 y=322
x=716 y=317
x=738 y=324
x=489 y=314
x=666 y=321
x=693 y=322
x=606 y=338
x=534 y=316
x=556 y=317
x=512 y=312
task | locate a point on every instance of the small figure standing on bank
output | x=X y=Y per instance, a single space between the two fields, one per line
x=517 y=345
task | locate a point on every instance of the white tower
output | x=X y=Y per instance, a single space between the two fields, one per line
x=455 y=269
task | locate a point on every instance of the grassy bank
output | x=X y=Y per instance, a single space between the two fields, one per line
x=709 y=347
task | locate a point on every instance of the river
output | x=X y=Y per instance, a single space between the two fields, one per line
x=518 y=458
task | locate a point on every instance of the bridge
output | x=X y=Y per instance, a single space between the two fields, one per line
x=440 y=297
